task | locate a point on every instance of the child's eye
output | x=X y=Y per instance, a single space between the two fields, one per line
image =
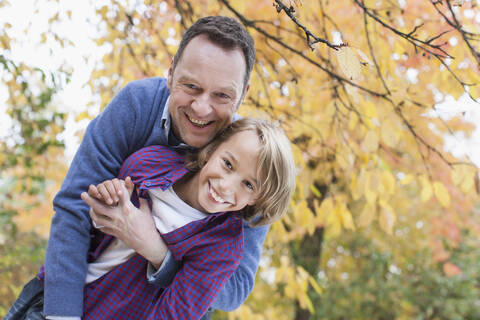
x=228 y=164
x=249 y=185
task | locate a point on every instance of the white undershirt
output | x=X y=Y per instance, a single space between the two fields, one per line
x=169 y=213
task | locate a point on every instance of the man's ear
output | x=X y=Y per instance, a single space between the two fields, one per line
x=244 y=94
x=170 y=75
x=246 y=90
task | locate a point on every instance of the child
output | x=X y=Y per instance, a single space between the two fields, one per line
x=247 y=172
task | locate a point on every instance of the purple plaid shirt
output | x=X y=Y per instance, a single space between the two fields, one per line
x=210 y=250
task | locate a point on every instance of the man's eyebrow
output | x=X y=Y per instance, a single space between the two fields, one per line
x=186 y=78
x=235 y=161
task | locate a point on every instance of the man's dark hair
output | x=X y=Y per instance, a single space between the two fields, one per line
x=225 y=32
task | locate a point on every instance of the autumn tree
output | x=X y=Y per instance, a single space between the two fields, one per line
x=384 y=222
x=31 y=165
x=355 y=84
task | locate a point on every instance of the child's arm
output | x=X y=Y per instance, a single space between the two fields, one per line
x=208 y=259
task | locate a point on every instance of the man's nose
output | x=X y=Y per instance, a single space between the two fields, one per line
x=201 y=106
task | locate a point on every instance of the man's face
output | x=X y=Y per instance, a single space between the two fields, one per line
x=206 y=89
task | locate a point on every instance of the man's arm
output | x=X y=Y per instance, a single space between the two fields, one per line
x=241 y=283
x=124 y=126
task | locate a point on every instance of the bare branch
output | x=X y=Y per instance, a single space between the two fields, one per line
x=290 y=13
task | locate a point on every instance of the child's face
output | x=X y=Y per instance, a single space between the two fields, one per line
x=228 y=181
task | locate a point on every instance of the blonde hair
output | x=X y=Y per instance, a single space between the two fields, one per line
x=276 y=168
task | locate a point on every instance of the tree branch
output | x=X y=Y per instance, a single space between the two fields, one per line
x=290 y=13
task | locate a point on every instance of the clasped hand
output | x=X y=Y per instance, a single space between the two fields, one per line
x=112 y=211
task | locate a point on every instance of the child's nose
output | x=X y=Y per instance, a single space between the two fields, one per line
x=226 y=185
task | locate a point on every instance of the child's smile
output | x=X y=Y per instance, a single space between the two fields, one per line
x=228 y=181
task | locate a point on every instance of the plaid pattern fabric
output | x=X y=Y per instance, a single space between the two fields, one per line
x=210 y=250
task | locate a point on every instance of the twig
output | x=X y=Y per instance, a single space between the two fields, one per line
x=290 y=13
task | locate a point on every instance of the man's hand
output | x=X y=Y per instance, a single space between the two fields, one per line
x=135 y=227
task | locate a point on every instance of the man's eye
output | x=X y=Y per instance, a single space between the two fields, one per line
x=191 y=86
x=223 y=95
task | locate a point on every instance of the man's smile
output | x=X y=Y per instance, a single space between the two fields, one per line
x=198 y=123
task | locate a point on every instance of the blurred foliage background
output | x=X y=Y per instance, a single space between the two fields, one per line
x=384 y=223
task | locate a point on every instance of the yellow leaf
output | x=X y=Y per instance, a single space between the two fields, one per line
x=463 y=176
x=330 y=111
x=315 y=191
x=427 y=191
x=406 y=179
x=349 y=63
x=314 y=285
x=54 y=18
x=304 y=217
x=103 y=11
x=325 y=210
x=371 y=187
x=370 y=142
x=82 y=115
x=345 y=217
x=364 y=58
x=368 y=110
x=441 y=193
x=352 y=121
x=457 y=174
x=354 y=186
x=309 y=305
x=457 y=3
x=388 y=182
x=367 y=215
x=389 y=136
x=386 y=220
x=468 y=184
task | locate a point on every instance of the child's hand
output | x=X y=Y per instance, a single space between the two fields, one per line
x=109 y=191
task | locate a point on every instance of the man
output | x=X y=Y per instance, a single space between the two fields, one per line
x=206 y=84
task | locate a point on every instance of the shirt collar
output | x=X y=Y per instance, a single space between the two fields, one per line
x=167 y=125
